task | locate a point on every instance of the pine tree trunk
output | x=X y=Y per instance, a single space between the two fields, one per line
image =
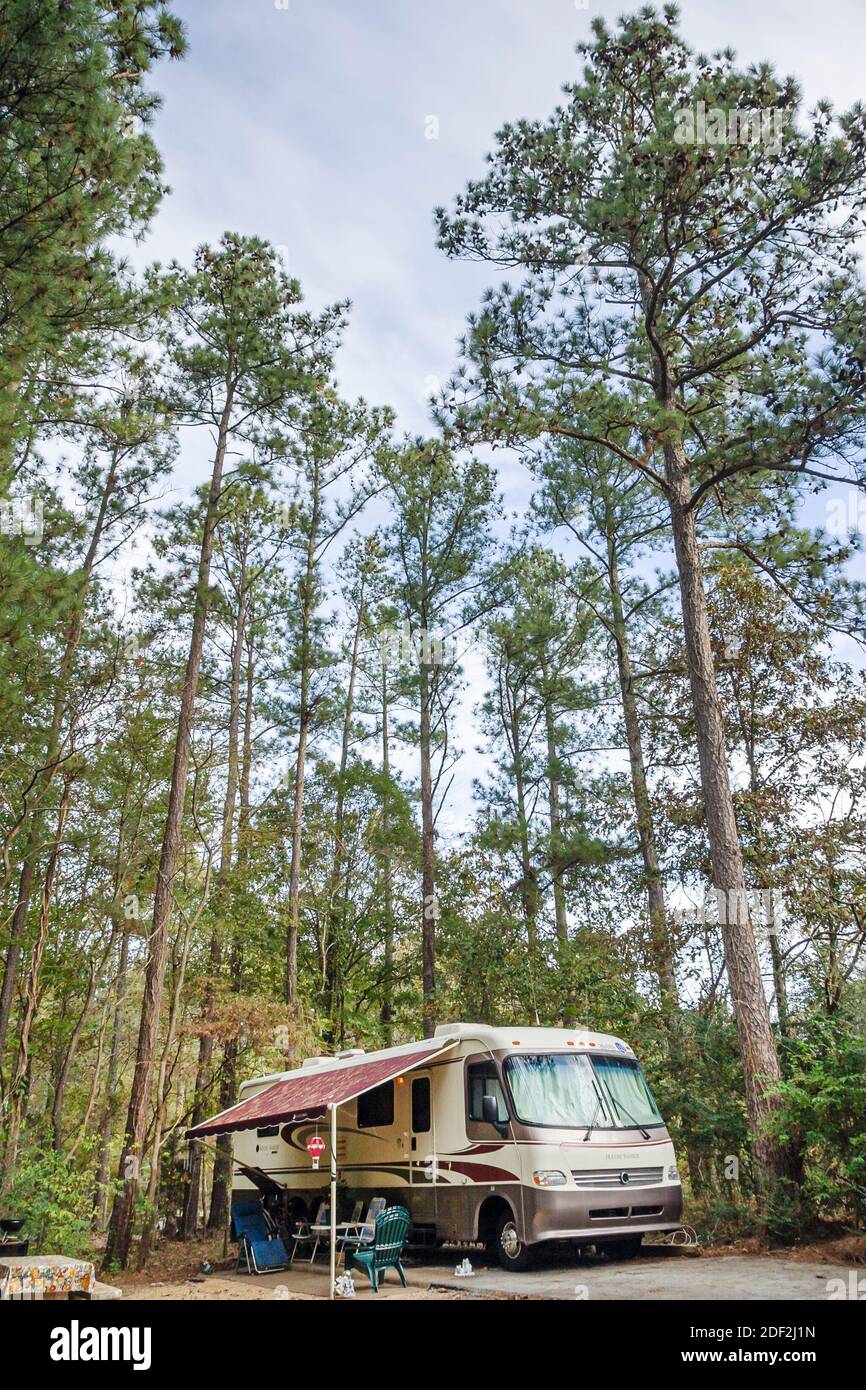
x=779 y=983
x=298 y=803
x=162 y=1091
x=103 y=1172
x=16 y=933
x=203 y=1081
x=429 y=903
x=295 y=872
x=31 y=998
x=222 y=1169
x=223 y=1163
x=52 y=752
x=757 y=1044
x=336 y=912
x=71 y=1052
x=386 y=1014
x=120 y=1226
x=765 y=882
x=560 y=915
x=660 y=941
x=203 y=1076
x=528 y=884
x=109 y=1108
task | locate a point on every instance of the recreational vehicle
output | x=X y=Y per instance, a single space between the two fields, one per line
x=510 y=1136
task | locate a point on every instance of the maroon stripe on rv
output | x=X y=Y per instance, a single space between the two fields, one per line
x=298 y=1095
x=480 y=1172
x=482 y=1149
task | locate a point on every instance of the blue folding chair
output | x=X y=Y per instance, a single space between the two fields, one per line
x=259 y=1244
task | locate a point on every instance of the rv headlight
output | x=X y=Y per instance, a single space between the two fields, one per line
x=549 y=1177
x=673 y=1173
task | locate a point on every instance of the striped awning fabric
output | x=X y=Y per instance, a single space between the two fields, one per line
x=309 y=1093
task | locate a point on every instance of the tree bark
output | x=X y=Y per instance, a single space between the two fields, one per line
x=295 y=871
x=660 y=941
x=757 y=1044
x=337 y=910
x=386 y=1013
x=16 y=933
x=765 y=882
x=120 y=1226
x=429 y=901
x=31 y=998
x=529 y=882
x=560 y=916
x=65 y=1069
x=52 y=751
x=222 y=1172
x=203 y=1077
x=222 y=1169
x=103 y=1173
x=162 y=1093
x=306 y=714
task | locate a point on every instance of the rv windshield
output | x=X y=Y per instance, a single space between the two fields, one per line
x=571 y=1090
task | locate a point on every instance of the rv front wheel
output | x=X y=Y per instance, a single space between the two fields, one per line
x=510 y=1249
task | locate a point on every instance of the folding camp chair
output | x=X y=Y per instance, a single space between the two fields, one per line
x=345 y=1229
x=354 y=1240
x=311 y=1232
x=259 y=1245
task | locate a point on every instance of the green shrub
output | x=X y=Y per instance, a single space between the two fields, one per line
x=57 y=1201
x=824 y=1110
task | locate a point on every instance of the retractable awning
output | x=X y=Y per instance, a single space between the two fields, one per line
x=310 y=1093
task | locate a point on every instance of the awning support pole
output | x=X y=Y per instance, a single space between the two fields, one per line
x=333 y=1110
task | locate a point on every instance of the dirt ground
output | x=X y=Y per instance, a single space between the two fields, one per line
x=660 y=1272
x=175 y=1272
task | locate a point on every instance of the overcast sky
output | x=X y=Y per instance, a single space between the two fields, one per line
x=307 y=122
x=308 y=126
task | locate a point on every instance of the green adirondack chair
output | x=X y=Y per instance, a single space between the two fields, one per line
x=386 y=1247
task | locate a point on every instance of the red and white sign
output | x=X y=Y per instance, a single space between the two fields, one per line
x=315 y=1148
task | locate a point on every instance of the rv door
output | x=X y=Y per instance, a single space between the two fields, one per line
x=422 y=1142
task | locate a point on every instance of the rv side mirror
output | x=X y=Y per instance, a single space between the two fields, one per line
x=490 y=1112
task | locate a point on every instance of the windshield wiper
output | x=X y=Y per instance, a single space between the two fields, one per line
x=619 y=1106
x=599 y=1105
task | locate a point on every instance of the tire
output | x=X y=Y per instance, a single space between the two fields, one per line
x=620 y=1249
x=508 y=1248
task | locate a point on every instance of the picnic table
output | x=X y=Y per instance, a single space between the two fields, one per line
x=45 y=1276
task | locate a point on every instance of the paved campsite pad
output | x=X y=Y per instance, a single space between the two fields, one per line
x=656 y=1274
x=652 y=1277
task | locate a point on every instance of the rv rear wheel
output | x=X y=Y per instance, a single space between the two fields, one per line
x=620 y=1249
x=510 y=1250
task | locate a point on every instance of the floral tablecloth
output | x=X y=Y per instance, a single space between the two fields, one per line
x=39 y=1276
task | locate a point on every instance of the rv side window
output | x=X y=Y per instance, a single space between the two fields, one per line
x=376 y=1108
x=482 y=1081
x=268 y=1133
x=421 y=1105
